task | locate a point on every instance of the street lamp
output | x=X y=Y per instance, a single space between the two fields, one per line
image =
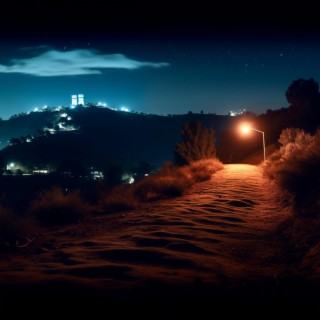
x=246 y=129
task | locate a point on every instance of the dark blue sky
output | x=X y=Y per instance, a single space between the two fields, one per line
x=162 y=70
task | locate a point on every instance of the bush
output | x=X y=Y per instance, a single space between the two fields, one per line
x=296 y=168
x=197 y=143
x=202 y=170
x=173 y=181
x=120 y=198
x=13 y=231
x=56 y=207
x=170 y=181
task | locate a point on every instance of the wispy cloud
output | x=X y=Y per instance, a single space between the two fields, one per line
x=75 y=62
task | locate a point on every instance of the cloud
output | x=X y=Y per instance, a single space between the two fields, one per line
x=75 y=62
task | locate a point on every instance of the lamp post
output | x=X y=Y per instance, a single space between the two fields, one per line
x=245 y=129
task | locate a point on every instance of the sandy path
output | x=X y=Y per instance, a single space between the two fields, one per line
x=209 y=236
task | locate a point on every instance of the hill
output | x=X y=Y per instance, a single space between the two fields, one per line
x=101 y=137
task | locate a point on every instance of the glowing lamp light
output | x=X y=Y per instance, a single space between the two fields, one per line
x=245 y=129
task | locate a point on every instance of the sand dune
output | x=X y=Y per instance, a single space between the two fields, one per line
x=215 y=241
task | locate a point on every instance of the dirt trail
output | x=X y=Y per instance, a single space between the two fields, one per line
x=209 y=236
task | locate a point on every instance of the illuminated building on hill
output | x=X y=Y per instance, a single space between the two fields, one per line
x=77 y=99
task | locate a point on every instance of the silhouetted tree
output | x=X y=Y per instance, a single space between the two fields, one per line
x=197 y=143
x=302 y=93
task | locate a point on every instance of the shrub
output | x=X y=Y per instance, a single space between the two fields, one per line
x=56 y=207
x=173 y=181
x=119 y=198
x=202 y=170
x=170 y=181
x=296 y=168
x=12 y=229
x=197 y=143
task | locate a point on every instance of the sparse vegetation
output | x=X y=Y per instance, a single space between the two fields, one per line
x=198 y=143
x=173 y=181
x=296 y=167
x=202 y=170
x=58 y=207
x=13 y=230
x=170 y=181
x=119 y=198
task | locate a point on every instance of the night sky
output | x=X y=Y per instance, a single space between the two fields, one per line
x=151 y=67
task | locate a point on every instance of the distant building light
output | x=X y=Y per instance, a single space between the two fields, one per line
x=125 y=109
x=74 y=100
x=41 y=171
x=96 y=174
x=81 y=99
x=10 y=166
x=236 y=113
x=35 y=109
x=45 y=107
x=64 y=115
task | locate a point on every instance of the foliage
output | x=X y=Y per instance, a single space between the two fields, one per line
x=296 y=168
x=202 y=170
x=301 y=92
x=56 y=207
x=197 y=143
x=119 y=198
x=173 y=181
x=12 y=229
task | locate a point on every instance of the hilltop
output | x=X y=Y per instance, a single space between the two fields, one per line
x=97 y=137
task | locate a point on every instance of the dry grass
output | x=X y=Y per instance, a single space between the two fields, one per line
x=120 y=198
x=202 y=170
x=296 y=168
x=56 y=207
x=170 y=181
x=173 y=181
x=13 y=230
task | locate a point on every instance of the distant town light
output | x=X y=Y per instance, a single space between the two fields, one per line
x=36 y=109
x=10 y=166
x=236 y=113
x=125 y=109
